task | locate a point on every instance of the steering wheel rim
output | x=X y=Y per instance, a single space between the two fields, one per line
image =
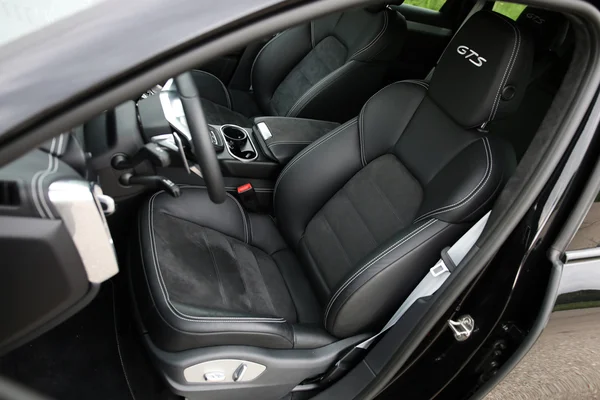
x=204 y=150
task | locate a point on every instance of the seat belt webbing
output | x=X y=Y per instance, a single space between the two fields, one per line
x=436 y=276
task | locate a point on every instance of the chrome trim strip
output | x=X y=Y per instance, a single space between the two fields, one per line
x=247 y=137
x=583 y=254
x=264 y=130
x=173 y=109
x=80 y=211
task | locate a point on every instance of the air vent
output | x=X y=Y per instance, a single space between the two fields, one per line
x=9 y=194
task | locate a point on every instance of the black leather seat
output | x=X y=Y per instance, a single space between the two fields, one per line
x=325 y=69
x=360 y=215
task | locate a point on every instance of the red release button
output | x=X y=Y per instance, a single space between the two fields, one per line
x=244 y=188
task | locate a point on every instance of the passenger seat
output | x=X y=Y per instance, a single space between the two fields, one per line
x=325 y=69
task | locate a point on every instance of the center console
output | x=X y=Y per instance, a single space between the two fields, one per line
x=147 y=144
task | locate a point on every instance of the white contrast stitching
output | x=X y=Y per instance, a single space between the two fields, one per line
x=237 y=203
x=476 y=189
x=316 y=89
x=506 y=75
x=363 y=156
x=227 y=96
x=163 y=287
x=373 y=261
x=308 y=149
x=260 y=52
x=34 y=194
x=375 y=39
x=40 y=182
x=290 y=142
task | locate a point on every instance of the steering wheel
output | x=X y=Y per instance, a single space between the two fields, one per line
x=203 y=147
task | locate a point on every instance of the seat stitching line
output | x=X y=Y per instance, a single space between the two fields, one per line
x=370 y=263
x=227 y=95
x=385 y=198
x=362 y=111
x=242 y=211
x=488 y=172
x=260 y=52
x=35 y=196
x=316 y=89
x=504 y=76
x=237 y=264
x=40 y=182
x=360 y=217
x=407 y=254
x=216 y=268
x=164 y=291
x=308 y=149
x=337 y=239
x=376 y=38
x=264 y=285
x=290 y=142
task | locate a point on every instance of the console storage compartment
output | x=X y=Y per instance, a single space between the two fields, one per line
x=281 y=138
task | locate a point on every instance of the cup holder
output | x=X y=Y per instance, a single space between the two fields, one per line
x=238 y=143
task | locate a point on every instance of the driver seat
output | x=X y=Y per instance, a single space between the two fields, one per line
x=359 y=216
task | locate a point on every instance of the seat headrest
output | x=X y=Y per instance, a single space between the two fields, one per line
x=548 y=28
x=484 y=71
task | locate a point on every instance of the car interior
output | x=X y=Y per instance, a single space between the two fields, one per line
x=266 y=213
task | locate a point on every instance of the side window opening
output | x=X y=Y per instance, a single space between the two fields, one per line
x=511 y=10
x=435 y=5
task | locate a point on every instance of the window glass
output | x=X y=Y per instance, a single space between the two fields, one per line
x=431 y=4
x=19 y=17
x=511 y=10
x=588 y=234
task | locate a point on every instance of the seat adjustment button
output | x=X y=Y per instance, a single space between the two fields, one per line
x=214 y=376
x=239 y=372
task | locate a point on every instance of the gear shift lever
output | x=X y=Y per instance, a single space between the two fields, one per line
x=152 y=181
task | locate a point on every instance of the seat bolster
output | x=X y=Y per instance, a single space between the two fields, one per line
x=463 y=190
x=275 y=61
x=387 y=44
x=394 y=105
x=211 y=88
x=311 y=178
x=311 y=336
x=340 y=94
x=386 y=276
x=229 y=218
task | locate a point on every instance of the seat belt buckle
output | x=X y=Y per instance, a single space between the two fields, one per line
x=438 y=269
x=248 y=197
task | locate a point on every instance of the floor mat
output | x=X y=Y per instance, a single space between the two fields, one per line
x=81 y=359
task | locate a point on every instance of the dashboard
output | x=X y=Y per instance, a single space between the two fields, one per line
x=54 y=239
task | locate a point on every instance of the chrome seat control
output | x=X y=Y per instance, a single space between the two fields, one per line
x=238 y=374
x=224 y=371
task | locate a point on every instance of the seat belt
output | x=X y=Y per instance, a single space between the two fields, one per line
x=478 y=6
x=437 y=275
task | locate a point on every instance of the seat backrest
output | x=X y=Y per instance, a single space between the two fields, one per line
x=369 y=206
x=328 y=68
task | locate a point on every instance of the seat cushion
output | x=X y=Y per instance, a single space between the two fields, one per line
x=214 y=274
